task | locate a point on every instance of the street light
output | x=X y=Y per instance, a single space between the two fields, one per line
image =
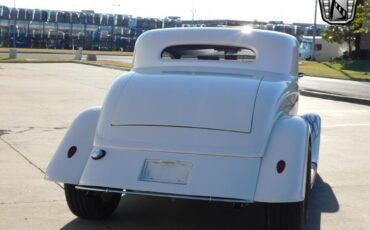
x=15 y=22
x=313 y=56
x=193 y=11
x=13 y=51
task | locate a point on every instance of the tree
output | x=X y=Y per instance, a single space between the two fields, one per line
x=350 y=33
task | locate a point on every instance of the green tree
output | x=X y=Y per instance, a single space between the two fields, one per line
x=351 y=33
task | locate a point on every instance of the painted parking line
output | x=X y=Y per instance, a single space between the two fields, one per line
x=344 y=125
x=318 y=111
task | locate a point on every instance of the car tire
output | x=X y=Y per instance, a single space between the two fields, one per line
x=91 y=204
x=290 y=216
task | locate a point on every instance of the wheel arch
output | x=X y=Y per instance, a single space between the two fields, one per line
x=289 y=142
x=80 y=134
x=314 y=122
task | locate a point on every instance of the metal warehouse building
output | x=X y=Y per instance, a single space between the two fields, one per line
x=35 y=28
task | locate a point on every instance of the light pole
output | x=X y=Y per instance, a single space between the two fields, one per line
x=193 y=11
x=114 y=35
x=313 y=56
x=13 y=51
x=14 y=28
x=164 y=21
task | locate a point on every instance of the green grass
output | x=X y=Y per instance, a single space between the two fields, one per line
x=350 y=70
x=108 y=63
x=58 y=51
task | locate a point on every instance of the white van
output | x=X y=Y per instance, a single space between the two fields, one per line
x=324 y=51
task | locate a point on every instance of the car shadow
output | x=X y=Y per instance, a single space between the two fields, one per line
x=322 y=200
x=139 y=213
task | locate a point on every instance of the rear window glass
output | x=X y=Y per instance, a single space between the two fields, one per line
x=208 y=52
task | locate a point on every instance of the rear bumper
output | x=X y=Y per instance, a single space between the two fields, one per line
x=210 y=177
x=156 y=194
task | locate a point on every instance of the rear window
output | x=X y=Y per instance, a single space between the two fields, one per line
x=208 y=52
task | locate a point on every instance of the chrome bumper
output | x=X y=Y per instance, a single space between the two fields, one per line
x=155 y=194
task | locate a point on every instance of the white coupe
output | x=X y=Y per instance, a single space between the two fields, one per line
x=204 y=114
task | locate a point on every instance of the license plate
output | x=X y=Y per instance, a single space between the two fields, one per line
x=173 y=172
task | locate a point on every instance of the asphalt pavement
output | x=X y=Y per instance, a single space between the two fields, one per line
x=347 y=88
x=39 y=102
x=356 y=89
x=127 y=59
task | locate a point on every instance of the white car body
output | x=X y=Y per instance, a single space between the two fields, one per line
x=197 y=129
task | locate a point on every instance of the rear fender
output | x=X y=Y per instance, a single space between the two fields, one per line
x=289 y=142
x=80 y=134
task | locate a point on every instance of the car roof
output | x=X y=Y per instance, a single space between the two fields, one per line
x=275 y=52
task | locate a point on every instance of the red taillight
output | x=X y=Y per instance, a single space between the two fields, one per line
x=71 y=151
x=280 y=166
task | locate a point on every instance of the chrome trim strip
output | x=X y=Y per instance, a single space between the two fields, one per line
x=99 y=189
x=313 y=173
x=210 y=199
x=155 y=194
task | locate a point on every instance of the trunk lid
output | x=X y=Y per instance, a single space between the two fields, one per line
x=201 y=101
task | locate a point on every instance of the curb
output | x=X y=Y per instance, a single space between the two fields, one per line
x=342 y=79
x=30 y=62
x=335 y=97
x=7 y=52
x=102 y=66
x=73 y=62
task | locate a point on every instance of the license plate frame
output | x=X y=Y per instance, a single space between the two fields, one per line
x=166 y=171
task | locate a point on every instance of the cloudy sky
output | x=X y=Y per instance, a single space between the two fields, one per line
x=286 y=10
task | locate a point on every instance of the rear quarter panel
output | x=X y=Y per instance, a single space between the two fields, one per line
x=288 y=142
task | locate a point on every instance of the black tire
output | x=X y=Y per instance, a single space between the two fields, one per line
x=290 y=216
x=91 y=204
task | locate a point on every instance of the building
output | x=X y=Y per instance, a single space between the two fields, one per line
x=35 y=28
x=365 y=39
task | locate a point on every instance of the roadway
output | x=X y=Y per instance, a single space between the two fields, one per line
x=325 y=85
x=30 y=56
x=357 y=89
x=39 y=101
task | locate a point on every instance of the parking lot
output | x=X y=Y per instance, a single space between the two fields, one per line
x=39 y=101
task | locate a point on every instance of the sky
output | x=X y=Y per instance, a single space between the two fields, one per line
x=263 y=10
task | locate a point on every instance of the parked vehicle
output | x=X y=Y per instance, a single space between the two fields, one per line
x=205 y=114
x=324 y=51
x=13 y=14
x=4 y=12
x=21 y=14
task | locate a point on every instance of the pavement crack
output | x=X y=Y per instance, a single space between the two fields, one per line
x=30 y=202
x=4 y=131
x=22 y=155
x=27 y=159
x=63 y=127
x=26 y=130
